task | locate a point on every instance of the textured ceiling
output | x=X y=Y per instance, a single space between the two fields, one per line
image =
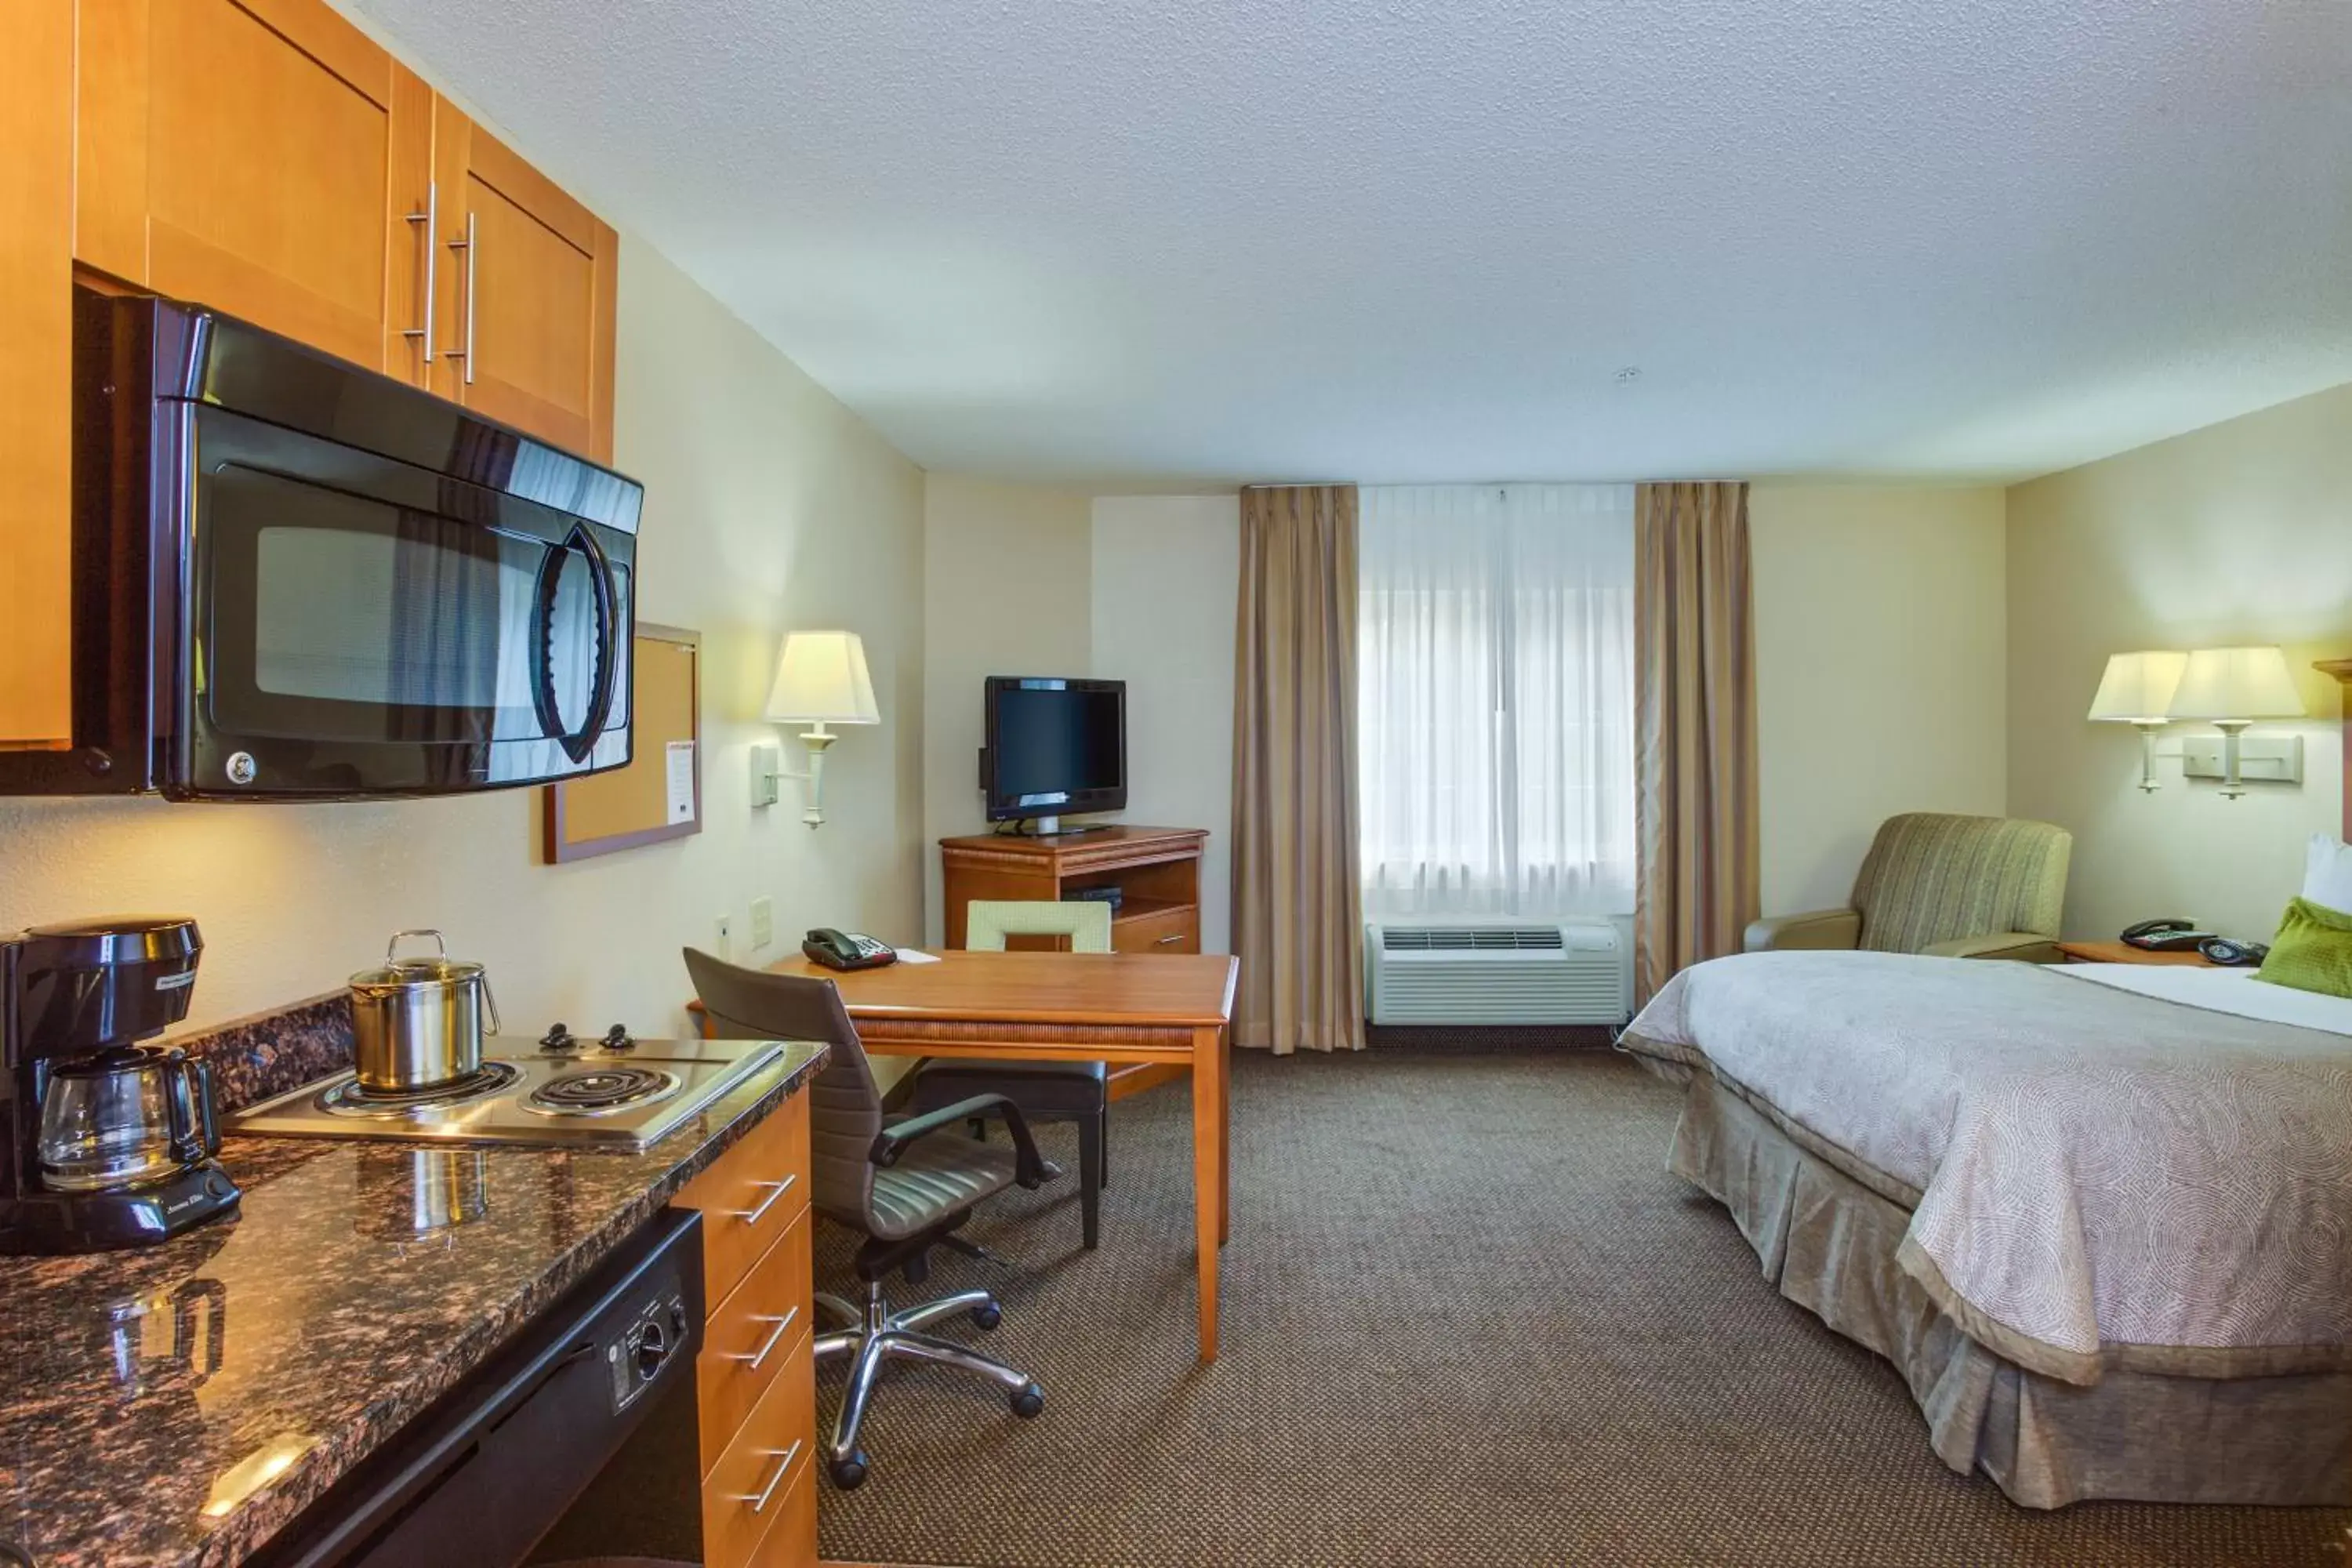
x=1419 y=239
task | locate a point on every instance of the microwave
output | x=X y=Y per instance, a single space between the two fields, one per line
x=295 y=579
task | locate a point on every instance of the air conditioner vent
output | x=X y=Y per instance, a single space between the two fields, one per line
x=1573 y=972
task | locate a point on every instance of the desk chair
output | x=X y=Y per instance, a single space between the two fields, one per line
x=905 y=1189
x=1046 y=1091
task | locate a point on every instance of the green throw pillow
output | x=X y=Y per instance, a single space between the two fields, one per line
x=2313 y=951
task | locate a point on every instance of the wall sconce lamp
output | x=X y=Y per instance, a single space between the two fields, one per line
x=2231 y=688
x=2137 y=689
x=821 y=679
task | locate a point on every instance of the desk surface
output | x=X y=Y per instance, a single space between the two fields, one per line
x=1187 y=990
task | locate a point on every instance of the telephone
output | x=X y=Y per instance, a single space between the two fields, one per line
x=2231 y=953
x=846 y=950
x=2166 y=936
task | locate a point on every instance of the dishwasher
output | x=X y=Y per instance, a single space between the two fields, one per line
x=577 y=1439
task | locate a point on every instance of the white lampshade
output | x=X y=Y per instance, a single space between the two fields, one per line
x=2238 y=683
x=821 y=679
x=2137 y=688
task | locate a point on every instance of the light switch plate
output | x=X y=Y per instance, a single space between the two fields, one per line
x=764 y=922
x=2262 y=758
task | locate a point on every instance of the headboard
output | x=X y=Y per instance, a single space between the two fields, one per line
x=2341 y=668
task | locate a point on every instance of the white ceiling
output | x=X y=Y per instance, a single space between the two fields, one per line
x=1417 y=239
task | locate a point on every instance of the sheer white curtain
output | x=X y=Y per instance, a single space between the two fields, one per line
x=1496 y=700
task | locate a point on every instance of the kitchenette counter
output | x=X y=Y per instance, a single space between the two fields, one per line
x=178 y=1404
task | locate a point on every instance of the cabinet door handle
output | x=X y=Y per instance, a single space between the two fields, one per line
x=471 y=246
x=1172 y=936
x=759 y=1500
x=431 y=218
x=769 y=1344
x=754 y=1215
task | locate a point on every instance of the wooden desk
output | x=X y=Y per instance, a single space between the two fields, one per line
x=1052 y=1006
x=2125 y=953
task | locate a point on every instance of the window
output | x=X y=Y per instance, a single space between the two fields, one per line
x=1496 y=700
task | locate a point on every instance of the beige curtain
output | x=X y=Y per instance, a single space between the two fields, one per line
x=1698 y=876
x=1297 y=902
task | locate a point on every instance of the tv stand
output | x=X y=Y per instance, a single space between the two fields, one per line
x=1156 y=870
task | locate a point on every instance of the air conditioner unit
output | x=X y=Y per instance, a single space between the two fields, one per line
x=1575 y=971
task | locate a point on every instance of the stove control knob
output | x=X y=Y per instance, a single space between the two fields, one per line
x=558 y=1038
x=617 y=1038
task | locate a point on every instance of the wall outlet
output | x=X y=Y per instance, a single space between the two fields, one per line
x=764 y=922
x=725 y=934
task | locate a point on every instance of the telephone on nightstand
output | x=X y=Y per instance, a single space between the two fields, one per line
x=2166 y=936
x=846 y=950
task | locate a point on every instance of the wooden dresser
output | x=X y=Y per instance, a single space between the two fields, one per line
x=755 y=1378
x=1157 y=870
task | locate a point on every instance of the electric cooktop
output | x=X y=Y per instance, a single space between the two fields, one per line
x=610 y=1093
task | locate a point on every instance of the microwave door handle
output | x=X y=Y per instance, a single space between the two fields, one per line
x=577 y=744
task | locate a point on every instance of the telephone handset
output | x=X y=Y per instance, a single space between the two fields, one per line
x=2165 y=936
x=846 y=950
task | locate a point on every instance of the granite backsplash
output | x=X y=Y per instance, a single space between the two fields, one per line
x=263 y=1054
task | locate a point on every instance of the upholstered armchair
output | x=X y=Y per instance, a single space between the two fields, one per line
x=1955 y=887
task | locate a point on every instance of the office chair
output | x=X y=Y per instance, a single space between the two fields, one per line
x=1046 y=1091
x=905 y=1189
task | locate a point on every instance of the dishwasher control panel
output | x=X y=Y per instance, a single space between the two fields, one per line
x=660 y=1331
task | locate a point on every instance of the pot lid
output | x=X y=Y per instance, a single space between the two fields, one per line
x=410 y=973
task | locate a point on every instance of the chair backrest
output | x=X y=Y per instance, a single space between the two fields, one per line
x=988 y=921
x=1932 y=877
x=844 y=1106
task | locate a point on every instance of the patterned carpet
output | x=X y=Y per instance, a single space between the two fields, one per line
x=1470 y=1321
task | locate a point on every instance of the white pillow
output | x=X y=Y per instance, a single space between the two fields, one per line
x=2327 y=872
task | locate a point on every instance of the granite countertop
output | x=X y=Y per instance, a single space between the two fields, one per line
x=177 y=1404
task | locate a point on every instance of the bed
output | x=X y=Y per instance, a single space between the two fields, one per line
x=2099 y=1217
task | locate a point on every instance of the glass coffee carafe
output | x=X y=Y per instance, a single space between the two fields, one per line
x=125 y=1117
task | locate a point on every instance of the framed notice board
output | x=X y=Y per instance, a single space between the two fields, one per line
x=659 y=794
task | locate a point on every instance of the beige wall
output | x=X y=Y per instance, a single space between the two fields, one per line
x=1880 y=659
x=1167 y=573
x=768 y=505
x=2241 y=533
x=1007 y=580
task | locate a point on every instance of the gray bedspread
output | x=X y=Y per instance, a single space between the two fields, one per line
x=2096 y=1177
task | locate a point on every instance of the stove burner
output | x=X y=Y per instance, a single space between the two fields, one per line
x=600 y=1091
x=349 y=1097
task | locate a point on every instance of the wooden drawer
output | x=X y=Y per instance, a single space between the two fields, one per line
x=791 y=1541
x=1176 y=930
x=778 y=1439
x=751 y=1196
x=767 y=1313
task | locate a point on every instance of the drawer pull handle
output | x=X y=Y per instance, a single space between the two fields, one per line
x=774 y=1335
x=1172 y=936
x=760 y=1499
x=778 y=1189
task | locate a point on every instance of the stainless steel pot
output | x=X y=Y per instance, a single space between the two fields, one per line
x=417 y=1022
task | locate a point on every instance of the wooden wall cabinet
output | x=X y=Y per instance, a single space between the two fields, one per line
x=264 y=157
x=527 y=278
x=37 y=157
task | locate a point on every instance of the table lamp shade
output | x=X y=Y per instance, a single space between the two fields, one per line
x=821 y=679
x=2137 y=688
x=2239 y=683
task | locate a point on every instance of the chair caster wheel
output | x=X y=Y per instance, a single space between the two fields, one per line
x=1028 y=1400
x=987 y=1315
x=848 y=1473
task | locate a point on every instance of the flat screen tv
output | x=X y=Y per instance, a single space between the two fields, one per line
x=1055 y=746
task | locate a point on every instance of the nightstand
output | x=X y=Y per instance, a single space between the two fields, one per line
x=2125 y=953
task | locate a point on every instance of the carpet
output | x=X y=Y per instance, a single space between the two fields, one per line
x=1469 y=1319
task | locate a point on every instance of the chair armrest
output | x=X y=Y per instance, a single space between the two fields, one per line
x=1030 y=1168
x=1820 y=929
x=2022 y=945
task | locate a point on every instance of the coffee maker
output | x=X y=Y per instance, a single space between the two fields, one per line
x=104 y=1142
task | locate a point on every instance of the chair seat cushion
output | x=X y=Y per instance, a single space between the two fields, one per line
x=1039 y=1088
x=942 y=1174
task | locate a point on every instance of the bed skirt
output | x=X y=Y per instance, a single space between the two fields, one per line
x=1829 y=1243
